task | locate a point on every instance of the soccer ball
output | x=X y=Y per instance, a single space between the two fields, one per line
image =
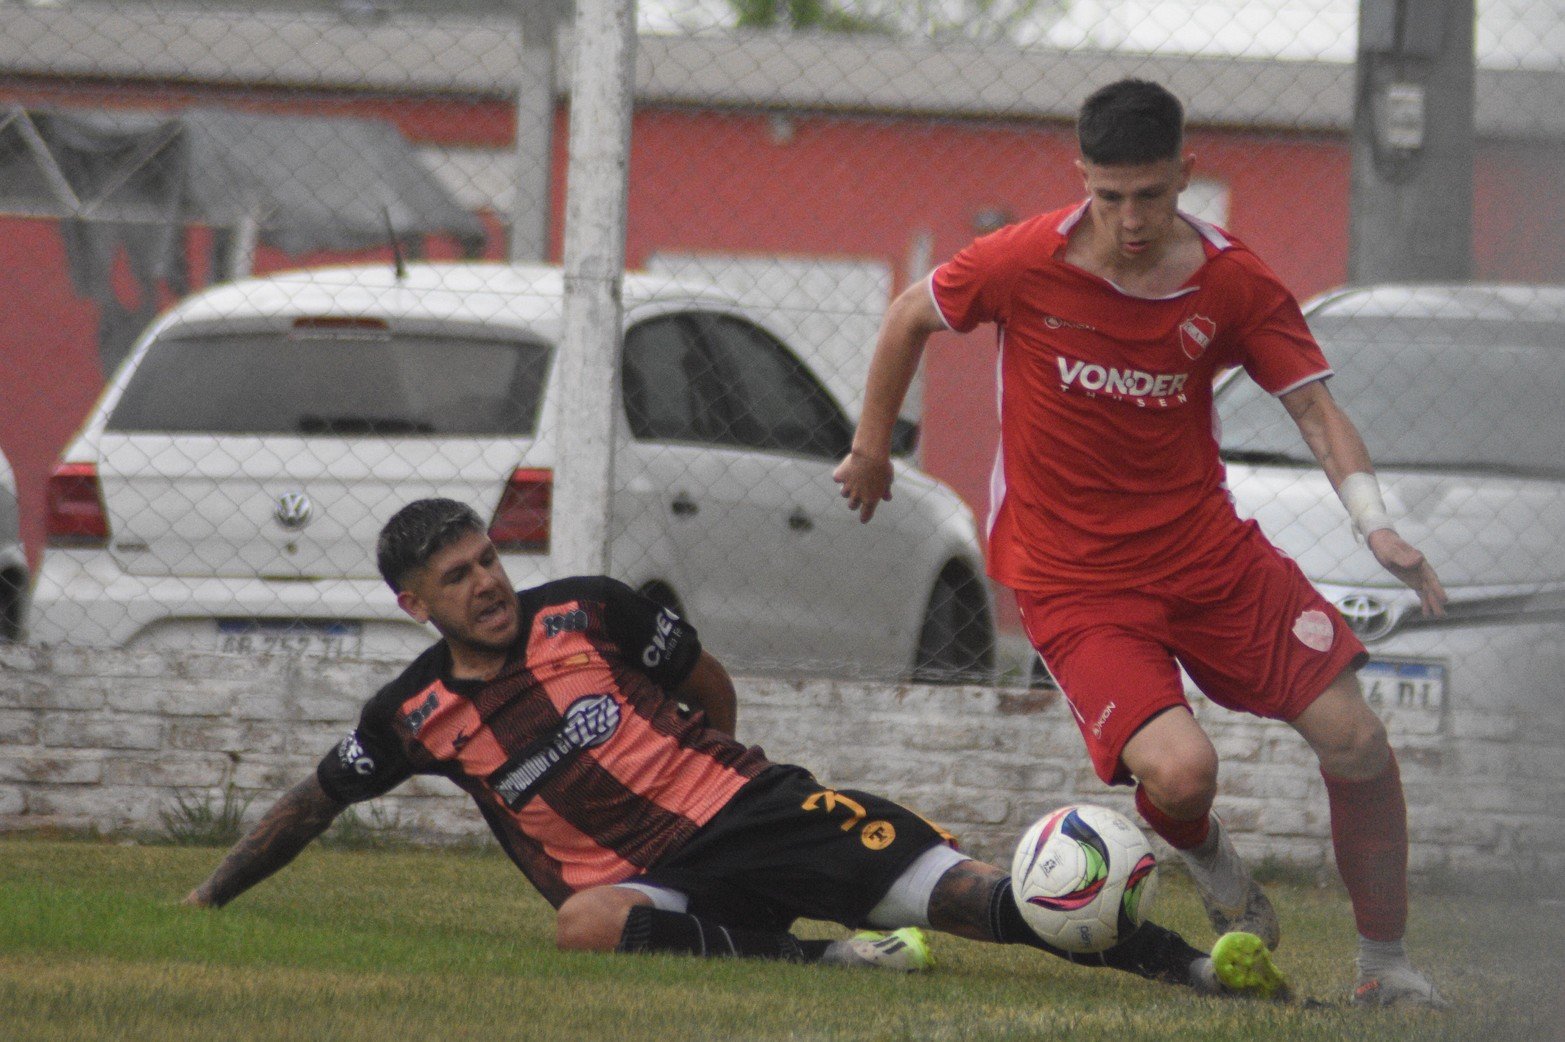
x=1084 y=877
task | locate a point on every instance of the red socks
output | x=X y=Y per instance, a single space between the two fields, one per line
x=1369 y=835
x=1181 y=835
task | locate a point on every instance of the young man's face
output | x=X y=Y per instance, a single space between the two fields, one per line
x=1134 y=207
x=463 y=590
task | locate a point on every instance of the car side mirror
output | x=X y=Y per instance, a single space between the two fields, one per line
x=904 y=436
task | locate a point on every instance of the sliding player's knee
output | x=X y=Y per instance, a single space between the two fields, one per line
x=588 y=922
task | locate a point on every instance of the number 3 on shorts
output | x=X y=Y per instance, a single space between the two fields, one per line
x=829 y=801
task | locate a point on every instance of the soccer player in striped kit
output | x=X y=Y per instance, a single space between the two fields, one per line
x=595 y=736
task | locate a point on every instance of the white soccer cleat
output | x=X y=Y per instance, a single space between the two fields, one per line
x=1398 y=986
x=905 y=950
x=1254 y=915
x=1234 y=901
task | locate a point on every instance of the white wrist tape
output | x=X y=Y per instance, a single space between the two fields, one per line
x=1360 y=493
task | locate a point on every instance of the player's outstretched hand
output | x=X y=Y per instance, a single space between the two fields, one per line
x=1403 y=560
x=865 y=481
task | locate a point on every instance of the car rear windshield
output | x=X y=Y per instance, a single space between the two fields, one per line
x=335 y=384
x=1427 y=394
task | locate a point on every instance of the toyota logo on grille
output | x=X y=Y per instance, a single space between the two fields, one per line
x=1367 y=616
x=293 y=510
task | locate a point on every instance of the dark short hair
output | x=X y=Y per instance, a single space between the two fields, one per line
x=1130 y=122
x=418 y=532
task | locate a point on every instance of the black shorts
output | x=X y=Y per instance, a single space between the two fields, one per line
x=788 y=847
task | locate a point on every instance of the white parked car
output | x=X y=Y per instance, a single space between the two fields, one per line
x=1457 y=390
x=13 y=559
x=226 y=492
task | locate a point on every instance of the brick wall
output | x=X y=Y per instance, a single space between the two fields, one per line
x=108 y=739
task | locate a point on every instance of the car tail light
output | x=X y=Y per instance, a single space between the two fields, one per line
x=521 y=521
x=76 y=515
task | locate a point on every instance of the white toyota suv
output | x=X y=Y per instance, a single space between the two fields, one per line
x=1457 y=391
x=226 y=492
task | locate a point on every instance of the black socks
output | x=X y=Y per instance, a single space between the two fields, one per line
x=649 y=929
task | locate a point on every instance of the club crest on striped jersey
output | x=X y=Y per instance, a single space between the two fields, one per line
x=591 y=721
x=588 y=722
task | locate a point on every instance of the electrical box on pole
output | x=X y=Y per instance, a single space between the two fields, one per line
x=1411 y=211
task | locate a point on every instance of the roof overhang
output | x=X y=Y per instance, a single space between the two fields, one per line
x=302 y=183
x=410 y=53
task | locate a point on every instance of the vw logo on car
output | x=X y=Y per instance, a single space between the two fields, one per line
x=293 y=510
x=1369 y=617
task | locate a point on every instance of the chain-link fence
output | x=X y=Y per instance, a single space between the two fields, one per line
x=217 y=482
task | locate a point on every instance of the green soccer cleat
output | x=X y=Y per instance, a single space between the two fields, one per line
x=905 y=950
x=1244 y=966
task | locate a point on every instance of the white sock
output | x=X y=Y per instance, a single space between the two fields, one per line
x=1218 y=867
x=1378 y=957
x=1203 y=977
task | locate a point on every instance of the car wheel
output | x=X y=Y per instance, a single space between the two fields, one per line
x=956 y=641
x=12 y=590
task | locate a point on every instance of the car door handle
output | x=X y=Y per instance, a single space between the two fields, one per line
x=684 y=506
x=799 y=521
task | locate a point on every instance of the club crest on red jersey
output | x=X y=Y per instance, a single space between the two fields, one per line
x=1196 y=334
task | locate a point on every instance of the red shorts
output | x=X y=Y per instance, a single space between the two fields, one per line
x=1243 y=621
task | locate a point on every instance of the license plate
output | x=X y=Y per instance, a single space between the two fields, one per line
x=1404 y=683
x=334 y=639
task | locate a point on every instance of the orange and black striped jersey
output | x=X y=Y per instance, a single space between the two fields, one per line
x=585 y=768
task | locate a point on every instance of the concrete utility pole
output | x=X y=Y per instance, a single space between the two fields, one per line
x=532 y=206
x=1411 y=214
x=602 y=95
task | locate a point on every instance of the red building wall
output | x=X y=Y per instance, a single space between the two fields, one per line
x=865 y=187
x=752 y=182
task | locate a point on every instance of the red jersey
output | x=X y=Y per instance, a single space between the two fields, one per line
x=585 y=769
x=1108 y=469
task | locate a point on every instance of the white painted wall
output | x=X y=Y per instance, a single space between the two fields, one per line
x=107 y=739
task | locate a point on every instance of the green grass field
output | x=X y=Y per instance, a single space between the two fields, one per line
x=378 y=945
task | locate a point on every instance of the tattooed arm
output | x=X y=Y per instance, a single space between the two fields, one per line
x=303 y=813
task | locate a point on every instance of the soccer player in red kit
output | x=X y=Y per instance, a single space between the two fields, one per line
x=1111 y=521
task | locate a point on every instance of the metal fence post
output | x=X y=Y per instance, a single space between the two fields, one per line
x=602 y=82
x=535 y=95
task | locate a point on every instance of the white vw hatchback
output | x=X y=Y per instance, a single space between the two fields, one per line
x=226 y=492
